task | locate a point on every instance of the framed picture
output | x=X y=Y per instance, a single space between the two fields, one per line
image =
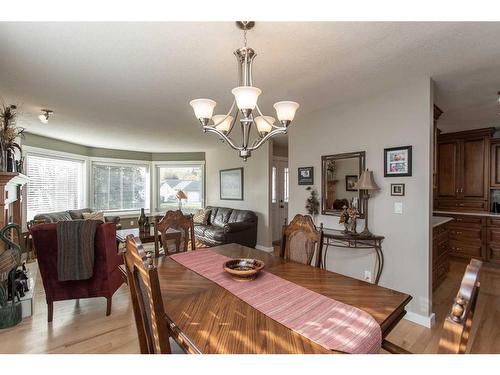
x=350 y=182
x=231 y=184
x=398 y=190
x=306 y=176
x=397 y=161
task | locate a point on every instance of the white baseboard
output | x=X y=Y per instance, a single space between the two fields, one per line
x=265 y=248
x=426 y=321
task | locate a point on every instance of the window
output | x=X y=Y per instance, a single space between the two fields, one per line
x=56 y=184
x=119 y=187
x=174 y=177
x=285 y=185
x=273 y=185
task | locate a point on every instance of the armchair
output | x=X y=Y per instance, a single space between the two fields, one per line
x=106 y=279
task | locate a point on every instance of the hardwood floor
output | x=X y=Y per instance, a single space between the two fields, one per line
x=82 y=326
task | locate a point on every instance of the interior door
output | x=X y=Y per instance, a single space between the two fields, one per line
x=279 y=195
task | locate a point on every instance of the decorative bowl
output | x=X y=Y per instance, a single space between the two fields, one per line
x=243 y=269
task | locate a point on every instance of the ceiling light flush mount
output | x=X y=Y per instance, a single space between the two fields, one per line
x=44 y=117
x=244 y=107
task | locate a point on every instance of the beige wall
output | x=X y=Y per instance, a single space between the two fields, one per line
x=398 y=117
x=256 y=184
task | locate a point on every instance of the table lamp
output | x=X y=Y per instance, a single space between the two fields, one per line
x=366 y=183
x=180 y=195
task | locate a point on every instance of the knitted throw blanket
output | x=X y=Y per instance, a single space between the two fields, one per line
x=75 y=249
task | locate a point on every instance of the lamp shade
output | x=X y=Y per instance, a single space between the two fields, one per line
x=224 y=125
x=286 y=110
x=366 y=181
x=263 y=122
x=203 y=108
x=181 y=195
x=246 y=96
x=43 y=119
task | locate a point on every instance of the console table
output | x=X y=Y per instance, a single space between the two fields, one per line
x=338 y=238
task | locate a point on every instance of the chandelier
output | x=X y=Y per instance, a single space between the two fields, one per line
x=244 y=107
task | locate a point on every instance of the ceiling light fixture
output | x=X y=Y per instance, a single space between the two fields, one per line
x=243 y=107
x=44 y=117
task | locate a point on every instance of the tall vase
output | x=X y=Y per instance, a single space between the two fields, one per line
x=3 y=158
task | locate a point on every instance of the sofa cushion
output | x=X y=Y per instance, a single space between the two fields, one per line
x=238 y=216
x=214 y=233
x=78 y=214
x=97 y=215
x=222 y=216
x=201 y=216
x=53 y=217
x=199 y=230
x=213 y=212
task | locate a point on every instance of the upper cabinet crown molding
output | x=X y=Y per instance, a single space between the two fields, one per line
x=484 y=132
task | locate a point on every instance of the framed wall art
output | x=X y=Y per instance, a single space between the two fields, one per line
x=306 y=176
x=398 y=190
x=397 y=161
x=231 y=184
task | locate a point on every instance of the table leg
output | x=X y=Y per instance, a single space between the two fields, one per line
x=325 y=251
x=380 y=262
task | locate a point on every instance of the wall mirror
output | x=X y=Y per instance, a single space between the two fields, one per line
x=339 y=175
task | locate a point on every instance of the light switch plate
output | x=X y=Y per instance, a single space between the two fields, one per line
x=398 y=207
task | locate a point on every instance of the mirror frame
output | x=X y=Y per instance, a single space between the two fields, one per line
x=361 y=155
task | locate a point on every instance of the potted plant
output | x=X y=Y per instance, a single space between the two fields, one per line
x=312 y=203
x=9 y=133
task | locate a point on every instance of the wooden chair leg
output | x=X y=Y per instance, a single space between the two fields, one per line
x=108 y=306
x=50 y=307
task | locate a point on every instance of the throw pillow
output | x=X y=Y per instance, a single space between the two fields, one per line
x=201 y=216
x=97 y=215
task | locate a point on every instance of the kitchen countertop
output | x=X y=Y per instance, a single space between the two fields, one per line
x=470 y=213
x=440 y=220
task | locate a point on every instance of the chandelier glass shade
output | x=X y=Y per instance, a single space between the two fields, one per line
x=244 y=108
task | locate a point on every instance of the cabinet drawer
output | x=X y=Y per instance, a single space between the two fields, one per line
x=458 y=248
x=494 y=254
x=494 y=222
x=494 y=236
x=470 y=234
x=466 y=220
x=461 y=205
x=442 y=248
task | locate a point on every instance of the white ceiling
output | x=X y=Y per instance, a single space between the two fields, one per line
x=127 y=85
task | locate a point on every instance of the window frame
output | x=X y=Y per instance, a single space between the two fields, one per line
x=119 y=163
x=156 y=165
x=51 y=154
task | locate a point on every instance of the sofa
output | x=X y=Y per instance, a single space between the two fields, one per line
x=54 y=217
x=227 y=225
x=107 y=277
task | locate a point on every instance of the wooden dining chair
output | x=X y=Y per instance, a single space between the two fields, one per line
x=458 y=323
x=154 y=328
x=178 y=221
x=301 y=241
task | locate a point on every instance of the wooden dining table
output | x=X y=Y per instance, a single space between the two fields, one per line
x=213 y=320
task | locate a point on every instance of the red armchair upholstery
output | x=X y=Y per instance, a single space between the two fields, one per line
x=107 y=277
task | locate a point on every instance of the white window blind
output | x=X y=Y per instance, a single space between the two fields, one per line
x=56 y=184
x=120 y=187
x=174 y=177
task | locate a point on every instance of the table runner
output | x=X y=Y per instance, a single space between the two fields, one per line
x=325 y=321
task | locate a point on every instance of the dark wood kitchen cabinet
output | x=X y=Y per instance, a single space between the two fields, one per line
x=495 y=164
x=463 y=170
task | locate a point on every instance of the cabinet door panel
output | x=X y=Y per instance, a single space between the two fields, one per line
x=474 y=168
x=447 y=169
x=495 y=165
